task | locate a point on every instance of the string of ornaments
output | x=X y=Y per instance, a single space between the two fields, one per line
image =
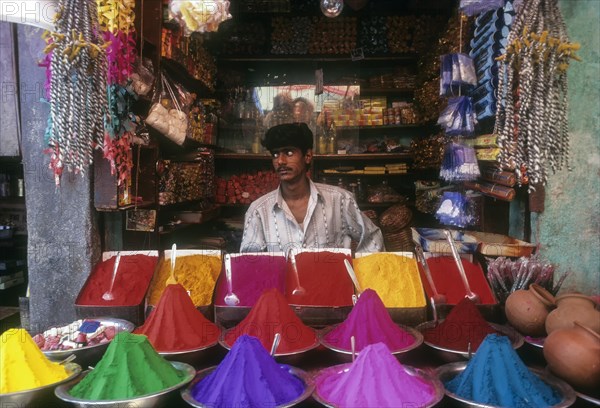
x=76 y=81
x=531 y=117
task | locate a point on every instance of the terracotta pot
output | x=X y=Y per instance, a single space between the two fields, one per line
x=573 y=354
x=526 y=310
x=571 y=307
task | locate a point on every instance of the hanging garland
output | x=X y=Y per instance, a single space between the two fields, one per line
x=77 y=93
x=531 y=117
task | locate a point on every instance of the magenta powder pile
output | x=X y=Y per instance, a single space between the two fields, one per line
x=251 y=276
x=375 y=379
x=369 y=322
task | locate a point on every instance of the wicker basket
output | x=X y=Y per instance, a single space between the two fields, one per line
x=395 y=218
x=399 y=241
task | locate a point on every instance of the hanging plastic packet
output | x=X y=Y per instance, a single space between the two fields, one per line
x=143 y=77
x=199 y=15
x=459 y=163
x=459 y=117
x=472 y=7
x=457 y=72
x=167 y=114
x=454 y=210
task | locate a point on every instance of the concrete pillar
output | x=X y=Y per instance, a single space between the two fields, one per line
x=63 y=241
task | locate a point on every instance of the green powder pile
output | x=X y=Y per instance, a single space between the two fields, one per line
x=129 y=368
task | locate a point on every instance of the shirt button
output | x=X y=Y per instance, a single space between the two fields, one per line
x=304 y=245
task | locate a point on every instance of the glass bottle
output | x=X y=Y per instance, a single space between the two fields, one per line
x=322 y=142
x=361 y=192
x=332 y=140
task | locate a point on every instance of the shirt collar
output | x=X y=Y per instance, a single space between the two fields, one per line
x=315 y=195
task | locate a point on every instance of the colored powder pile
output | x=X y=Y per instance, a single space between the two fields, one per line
x=251 y=275
x=271 y=314
x=23 y=366
x=196 y=273
x=129 y=368
x=463 y=324
x=176 y=325
x=375 y=379
x=369 y=322
x=497 y=376
x=447 y=280
x=395 y=278
x=324 y=276
x=248 y=377
x=132 y=280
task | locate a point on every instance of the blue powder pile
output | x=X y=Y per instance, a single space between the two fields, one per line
x=497 y=376
x=248 y=377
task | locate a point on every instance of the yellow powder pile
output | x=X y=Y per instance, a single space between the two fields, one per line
x=196 y=273
x=395 y=278
x=23 y=366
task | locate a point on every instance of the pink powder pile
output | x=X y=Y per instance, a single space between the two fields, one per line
x=375 y=379
x=251 y=275
x=369 y=322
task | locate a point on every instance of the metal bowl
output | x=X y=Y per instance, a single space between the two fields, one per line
x=341 y=369
x=192 y=357
x=156 y=399
x=277 y=354
x=309 y=386
x=90 y=355
x=39 y=396
x=449 y=371
x=452 y=355
x=346 y=354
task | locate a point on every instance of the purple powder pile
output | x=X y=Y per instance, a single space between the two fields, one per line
x=248 y=377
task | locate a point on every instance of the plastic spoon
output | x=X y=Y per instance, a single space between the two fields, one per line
x=437 y=297
x=469 y=293
x=353 y=347
x=276 y=340
x=171 y=280
x=298 y=290
x=352 y=276
x=108 y=295
x=68 y=359
x=230 y=298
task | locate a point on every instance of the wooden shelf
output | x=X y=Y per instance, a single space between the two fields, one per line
x=316 y=58
x=364 y=156
x=243 y=156
x=379 y=127
x=365 y=91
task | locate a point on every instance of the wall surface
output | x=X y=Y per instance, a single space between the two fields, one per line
x=9 y=110
x=569 y=228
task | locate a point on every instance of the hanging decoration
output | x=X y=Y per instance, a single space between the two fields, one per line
x=77 y=89
x=531 y=116
x=459 y=118
x=200 y=16
x=472 y=7
x=459 y=163
x=116 y=18
x=455 y=209
x=331 y=8
x=457 y=73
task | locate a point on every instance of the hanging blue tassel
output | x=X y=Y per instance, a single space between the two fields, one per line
x=459 y=118
x=459 y=163
x=457 y=73
x=472 y=7
x=455 y=209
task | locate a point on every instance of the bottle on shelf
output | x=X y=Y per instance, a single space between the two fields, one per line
x=361 y=192
x=332 y=140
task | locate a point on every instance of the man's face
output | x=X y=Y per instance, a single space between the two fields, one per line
x=290 y=164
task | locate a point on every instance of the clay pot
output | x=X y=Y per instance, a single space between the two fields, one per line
x=526 y=310
x=573 y=354
x=571 y=307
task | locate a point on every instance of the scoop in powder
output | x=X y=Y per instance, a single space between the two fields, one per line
x=369 y=322
x=248 y=377
x=375 y=379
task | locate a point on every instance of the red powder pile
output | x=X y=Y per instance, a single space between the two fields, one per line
x=176 y=325
x=463 y=324
x=250 y=276
x=324 y=276
x=271 y=314
x=369 y=322
x=447 y=280
x=132 y=281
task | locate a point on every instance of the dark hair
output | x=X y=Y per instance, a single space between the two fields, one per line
x=289 y=134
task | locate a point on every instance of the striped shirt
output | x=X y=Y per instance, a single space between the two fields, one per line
x=332 y=220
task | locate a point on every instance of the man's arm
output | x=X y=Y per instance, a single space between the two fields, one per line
x=368 y=235
x=253 y=239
